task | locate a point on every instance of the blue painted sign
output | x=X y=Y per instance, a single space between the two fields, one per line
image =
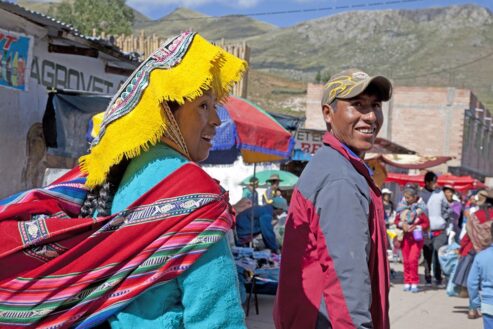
x=15 y=59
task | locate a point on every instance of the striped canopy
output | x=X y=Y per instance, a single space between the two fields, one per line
x=248 y=130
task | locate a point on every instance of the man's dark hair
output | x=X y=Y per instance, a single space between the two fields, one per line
x=430 y=176
x=374 y=90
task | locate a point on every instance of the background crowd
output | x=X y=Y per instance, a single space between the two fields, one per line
x=448 y=231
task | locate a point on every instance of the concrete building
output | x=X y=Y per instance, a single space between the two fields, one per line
x=39 y=54
x=431 y=121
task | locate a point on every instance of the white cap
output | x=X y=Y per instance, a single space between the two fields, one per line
x=386 y=191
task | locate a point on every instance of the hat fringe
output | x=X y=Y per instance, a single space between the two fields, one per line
x=203 y=67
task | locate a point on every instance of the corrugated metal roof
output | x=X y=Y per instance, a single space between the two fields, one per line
x=48 y=21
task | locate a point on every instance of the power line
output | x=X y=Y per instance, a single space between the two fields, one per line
x=448 y=69
x=296 y=11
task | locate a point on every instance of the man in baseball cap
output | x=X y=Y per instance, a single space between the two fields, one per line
x=353 y=82
x=336 y=209
x=343 y=98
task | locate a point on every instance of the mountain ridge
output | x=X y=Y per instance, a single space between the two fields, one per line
x=448 y=46
x=211 y=27
x=444 y=46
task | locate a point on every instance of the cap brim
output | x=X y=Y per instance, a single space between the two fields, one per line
x=381 y=82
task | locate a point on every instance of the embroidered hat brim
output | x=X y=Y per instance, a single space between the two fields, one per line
x=182 y=69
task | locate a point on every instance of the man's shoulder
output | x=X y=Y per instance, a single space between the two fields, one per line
x=436 y=195
x=329 y=167
x=485 y=255
x=329 y=162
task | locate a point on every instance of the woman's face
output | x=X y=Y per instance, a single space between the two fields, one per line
x=197 y=121
x=410 y=199
x=449 y=194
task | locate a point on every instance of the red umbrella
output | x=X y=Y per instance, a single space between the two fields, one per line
x=459 y=183
x=248 y=129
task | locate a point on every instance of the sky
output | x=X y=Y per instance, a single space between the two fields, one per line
x=275 y=11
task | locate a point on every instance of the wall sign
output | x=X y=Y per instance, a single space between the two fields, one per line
x=15 y=59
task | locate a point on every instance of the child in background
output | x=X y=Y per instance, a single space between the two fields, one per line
x=411 y=218
x=481 y=277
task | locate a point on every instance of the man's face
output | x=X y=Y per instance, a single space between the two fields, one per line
x=431 y=185
x=356 y=121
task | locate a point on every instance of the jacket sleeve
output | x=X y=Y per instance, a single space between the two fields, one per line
x=473 y=281
x=299 y=292
x=424 y=222
x=343 y=219
x=397 y=220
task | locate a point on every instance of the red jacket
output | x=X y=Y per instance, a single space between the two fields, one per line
x=334 y=269
x=423 y=221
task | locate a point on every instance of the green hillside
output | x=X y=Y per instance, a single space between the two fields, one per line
x=214 y=28
x=41 y=7
x=451 y=46
x=44 y=6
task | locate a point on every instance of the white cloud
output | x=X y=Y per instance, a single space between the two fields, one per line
x=330 y=2
x=193 y=3
x=247 y=3
x=56 y=1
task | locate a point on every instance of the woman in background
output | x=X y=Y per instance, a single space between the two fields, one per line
x=411 y=218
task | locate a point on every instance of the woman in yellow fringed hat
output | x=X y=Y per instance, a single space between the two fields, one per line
x=160 y=123
x=148 y=247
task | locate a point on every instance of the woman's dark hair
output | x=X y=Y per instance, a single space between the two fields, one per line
x=173 y=106
x=412 y=189
x=486 y=206
x=100 y=198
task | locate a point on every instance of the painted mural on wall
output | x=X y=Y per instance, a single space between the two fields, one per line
x=15 y=59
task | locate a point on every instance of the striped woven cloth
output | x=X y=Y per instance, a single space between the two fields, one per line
x=60 y=271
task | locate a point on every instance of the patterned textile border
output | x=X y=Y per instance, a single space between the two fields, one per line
x=165 y=57
x=80 y=279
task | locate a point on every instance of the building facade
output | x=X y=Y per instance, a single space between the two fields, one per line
x=39 y=54
x=432 y=121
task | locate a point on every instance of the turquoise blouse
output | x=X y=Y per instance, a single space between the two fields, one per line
x=206 y=296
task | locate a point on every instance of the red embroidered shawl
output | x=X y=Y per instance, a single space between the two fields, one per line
x=60 y=271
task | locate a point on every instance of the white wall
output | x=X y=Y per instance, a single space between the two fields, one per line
x=230 y=176
x=19 y=110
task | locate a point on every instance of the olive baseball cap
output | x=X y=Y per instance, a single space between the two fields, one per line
x=352 y=82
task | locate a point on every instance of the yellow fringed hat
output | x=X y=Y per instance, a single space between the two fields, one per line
x=180 y=70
